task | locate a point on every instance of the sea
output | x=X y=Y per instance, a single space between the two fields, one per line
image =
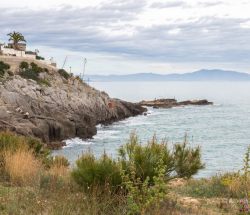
x=221 y=130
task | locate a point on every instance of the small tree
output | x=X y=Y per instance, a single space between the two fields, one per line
x=91 y=172
x=16 y=37
x=24 y=65
x=145 y=157
x=141 y=195
x=187 y=160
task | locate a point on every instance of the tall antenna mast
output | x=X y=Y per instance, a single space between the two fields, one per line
x=84 y=66
x=65 y=60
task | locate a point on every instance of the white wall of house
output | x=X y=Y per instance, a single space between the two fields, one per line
x=10 y=51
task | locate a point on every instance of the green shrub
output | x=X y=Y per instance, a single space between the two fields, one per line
x=44 y=82
x=183 y=161
x=24 y=65
x=187 y=160
x=33 y=65
x=29 y=74
x=39 y=58
x=91 y=172
x=141 y=195
x=32 y=72
x=2 y=72
x=3 y=68
x=145 y=158
x=64 y=74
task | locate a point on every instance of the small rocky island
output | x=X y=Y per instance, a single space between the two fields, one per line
x=170 y=103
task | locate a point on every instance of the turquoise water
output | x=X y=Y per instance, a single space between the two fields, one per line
x=222 y=130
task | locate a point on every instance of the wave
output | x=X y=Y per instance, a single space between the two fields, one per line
x=76 y=141
x=103 y=134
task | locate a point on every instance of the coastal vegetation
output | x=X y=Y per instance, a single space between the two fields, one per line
x=149 y=178
x=64 y=73
x=4 y=68
x=16 y=37
x=33 y=71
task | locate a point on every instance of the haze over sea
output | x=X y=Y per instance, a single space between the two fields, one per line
x=222 y=130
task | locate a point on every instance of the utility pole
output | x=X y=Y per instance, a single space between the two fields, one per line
x=65 y=60
x=84 y=67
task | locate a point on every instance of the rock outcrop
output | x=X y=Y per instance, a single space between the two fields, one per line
x=170 y=103
x=64 y=109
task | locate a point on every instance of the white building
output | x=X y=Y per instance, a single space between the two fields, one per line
x=18 y=53
x=9 y=51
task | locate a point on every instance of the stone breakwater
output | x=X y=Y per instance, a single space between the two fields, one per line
x=170 y=103
x=64 y=109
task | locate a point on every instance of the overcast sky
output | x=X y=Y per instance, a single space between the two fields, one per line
x=118 y=36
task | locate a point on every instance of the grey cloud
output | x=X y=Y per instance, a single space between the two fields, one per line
x=207 y=39
x=178 y=3
x=223 y=41
x=121 y=5
x=168 y=4
x=209 y=3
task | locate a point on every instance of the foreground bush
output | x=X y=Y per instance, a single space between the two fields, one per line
x=182 y=161
x=92 y=172
x=145 y=158
x=12 y=142
x=142 y=195
x=22 y=167
x=187 y=160
x=59 y=168
x=57 y=176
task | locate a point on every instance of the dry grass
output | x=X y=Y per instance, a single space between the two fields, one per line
x=59 y=171
x=22 y=167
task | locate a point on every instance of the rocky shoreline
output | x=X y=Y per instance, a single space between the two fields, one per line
x=170 y=103
x=58 y=106
x=63 y=108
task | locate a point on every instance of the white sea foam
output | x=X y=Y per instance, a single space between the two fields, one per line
x=103 y=134
x=135 y=121
x=76 y=141
x=217 y=104
x=99 y=126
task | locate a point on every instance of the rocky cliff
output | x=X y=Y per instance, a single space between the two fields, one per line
x=53 y=106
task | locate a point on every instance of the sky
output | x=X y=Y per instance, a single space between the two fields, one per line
x=124 y=37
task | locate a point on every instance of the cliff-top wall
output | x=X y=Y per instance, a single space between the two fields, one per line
x=14 y=62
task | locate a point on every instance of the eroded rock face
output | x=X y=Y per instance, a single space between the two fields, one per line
x=66 y=109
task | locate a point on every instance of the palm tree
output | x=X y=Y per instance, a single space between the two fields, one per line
x=16 y=37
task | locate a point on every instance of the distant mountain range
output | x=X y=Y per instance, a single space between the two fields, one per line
x=201 y=75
